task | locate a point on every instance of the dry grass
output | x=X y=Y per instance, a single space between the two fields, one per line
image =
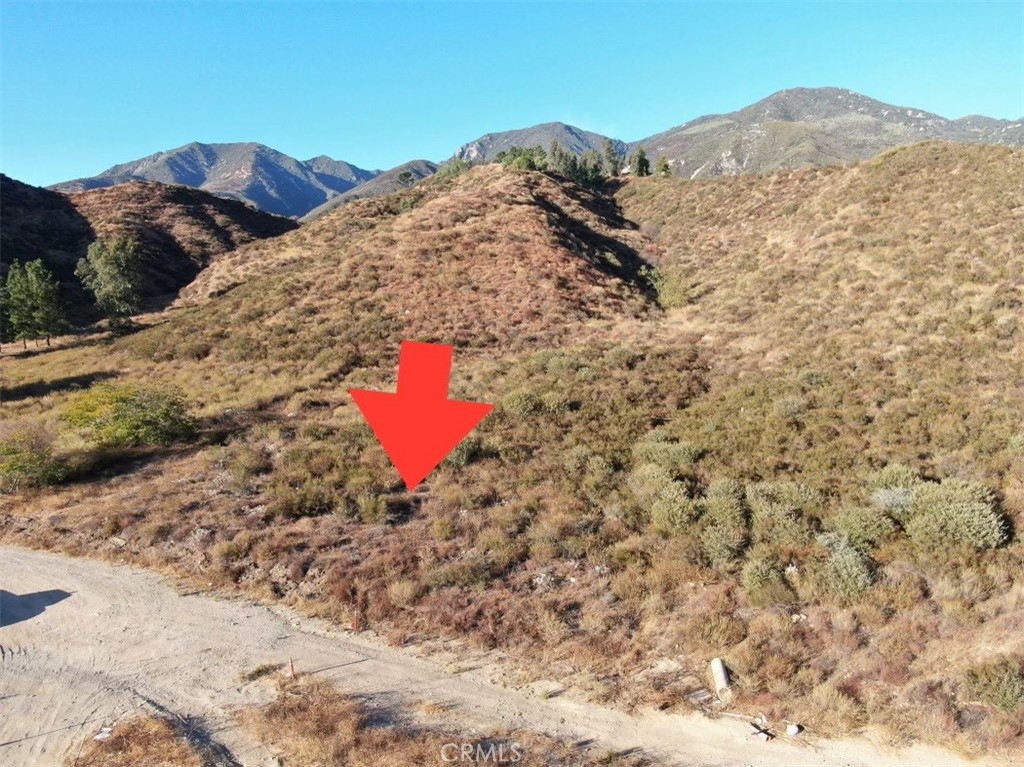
x=313 y=724
x=140 y=740
x=834 y=321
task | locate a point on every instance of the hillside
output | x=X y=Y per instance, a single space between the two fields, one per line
x=806 y=458
x=894 y=284
x=811 y=127
x=490 y=258
x=179 y=228
x=385 y=183
x=253 y=173
x=576 y=140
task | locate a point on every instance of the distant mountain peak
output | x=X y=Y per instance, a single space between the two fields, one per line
x=247 y=171
x=800 y=127
x=574 y=139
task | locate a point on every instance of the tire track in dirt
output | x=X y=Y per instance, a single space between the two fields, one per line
x=125 y=640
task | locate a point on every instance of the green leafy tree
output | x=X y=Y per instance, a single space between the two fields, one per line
x=113 y=272
x=532 y=158
x=590 y=169
x=454 y=167
x=47 y=316
x=31 y=300
x=611 y=159
x=587 y=170
x=640 y=165
x=558 y=159
x=18 y=304
x=661 y=167
x=406 y=179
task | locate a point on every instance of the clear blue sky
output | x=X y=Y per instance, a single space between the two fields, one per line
x=86 y=85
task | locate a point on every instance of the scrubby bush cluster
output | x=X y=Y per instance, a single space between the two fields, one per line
x=999 y=682
x=126 y=415
x=953 y=512
x=103 y=417
x=27 y=458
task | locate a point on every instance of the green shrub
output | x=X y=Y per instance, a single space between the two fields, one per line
x=521 y=403
x=894 y=475
x=778 y=509
x=454 y=167
x=575 y=459
x=794 y=495
x=598 y=476
x=244 y=463
x=725 y=504
x=893 y=488
x=666 y=499
x=670 y=285
x=848 y=573
x=792 y=408
x=765 y=583
x=998 y=682
x=864 y=528
x=1015 y=445
x=122 y=415
x=659 y=448
x=649 y=481
x=958 y=513
x=307 y=499
x=726 y=533
x=557 y=402
x=27 y=460
x=465 y=453
x=894 y=501
x=722 y=544
x=373 y=509
x=673 y=511
x=443 y=529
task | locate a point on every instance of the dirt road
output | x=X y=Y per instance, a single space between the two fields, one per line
x=83 y=643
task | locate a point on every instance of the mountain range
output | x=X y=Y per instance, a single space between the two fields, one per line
x=799 y=127
x=254 y=173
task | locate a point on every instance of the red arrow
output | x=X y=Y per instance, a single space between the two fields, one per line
x=418 y=425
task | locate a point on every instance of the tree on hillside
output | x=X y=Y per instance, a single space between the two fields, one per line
x=611 y=158
x=586 y=170
x=640 y=165
x=533 y=158
x=31 y=300
x=18 y=304
x=113 y=272
x=590 y=169
x=47 y=316
x=661 y=167
x=406 y=179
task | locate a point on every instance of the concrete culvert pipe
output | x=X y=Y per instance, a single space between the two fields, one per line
x=720 y=675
